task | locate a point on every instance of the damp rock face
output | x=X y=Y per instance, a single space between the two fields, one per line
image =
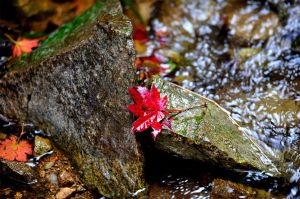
x=204 y=131
x=75 y=87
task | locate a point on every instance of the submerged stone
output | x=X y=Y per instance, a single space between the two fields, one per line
x=204 y=131
x=228 y=189
x=41 y=145
x=75 y=87
x=252 y=23
x=18 y=171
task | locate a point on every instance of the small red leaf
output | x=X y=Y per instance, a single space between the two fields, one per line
x=155 y=93
x=157 y=127
x=144 y=92
x=159 y=103
x=149 y=107
x=11 y=149
x=164 y=101
x=147 y=99
x=136 y=109
x=143 y=123
x=24 y=46
x=135 y=95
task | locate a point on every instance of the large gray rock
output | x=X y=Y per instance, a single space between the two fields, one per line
x=75 y=86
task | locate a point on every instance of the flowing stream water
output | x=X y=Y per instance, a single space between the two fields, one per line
x=245 y=55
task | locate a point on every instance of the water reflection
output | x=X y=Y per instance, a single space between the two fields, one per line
x=246 y=56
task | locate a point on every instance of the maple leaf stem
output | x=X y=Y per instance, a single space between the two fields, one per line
x=178 y=111
x=174 y=110
x=22 y=132
x=10 y=38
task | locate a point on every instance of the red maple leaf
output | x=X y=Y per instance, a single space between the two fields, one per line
x=150 y=109
x=11 y=149
x=24 y=46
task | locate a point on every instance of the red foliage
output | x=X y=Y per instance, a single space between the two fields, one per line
x=24 y=46
x=11 y=149
x=148 y=66
x=150 y=109
x=151 y=58
x=140 y=34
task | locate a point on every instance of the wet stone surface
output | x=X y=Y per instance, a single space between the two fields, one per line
x=41 y=145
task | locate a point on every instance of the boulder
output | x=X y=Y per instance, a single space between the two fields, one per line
x=204 y=131
x=75 y=87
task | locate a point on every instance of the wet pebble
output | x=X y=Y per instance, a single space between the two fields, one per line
x=42 y=173
x=64 y=192
x=48 y=165
x=2 y=136
x=18 y=195
x=66 y=178
x=41 y=145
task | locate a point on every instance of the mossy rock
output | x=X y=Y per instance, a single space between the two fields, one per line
x=204 y=131
x=74 y=86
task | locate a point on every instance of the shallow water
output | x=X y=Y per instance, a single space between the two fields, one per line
x=245 y=56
